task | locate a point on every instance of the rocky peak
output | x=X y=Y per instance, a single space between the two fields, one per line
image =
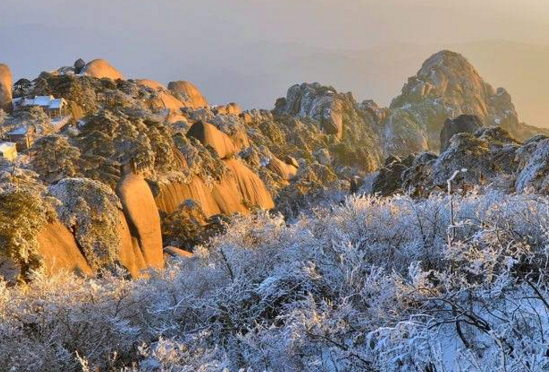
x=447 y=85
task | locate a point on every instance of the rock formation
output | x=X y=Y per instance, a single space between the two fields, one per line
x=154 y=85
x=446 y=86
x=142 y=217
x=99 y=68
x=209 y=135
x=316 y=102
x=60 y=251
x=5 y=88
x=79 y=65
x=461 y=124
x=188 y=93
x=490 y=157
x=354 y=127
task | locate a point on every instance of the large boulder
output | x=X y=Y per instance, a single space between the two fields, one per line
x=238 y=191
x=388 y=180
x=154 y=85
x=142 y=217
x=209 y=135
x=284 y=170
x=461 y=124
x=229 y=109
x=100 y=68
x=6 y=83
x=250 y=186
x=317 y=102
x=534 y=165
x=59 y=250
x=172 y=194
x=188 y=93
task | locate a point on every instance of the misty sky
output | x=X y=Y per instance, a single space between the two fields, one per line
x=244 y=49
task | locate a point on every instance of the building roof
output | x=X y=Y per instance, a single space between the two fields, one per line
x=56 y=104
x=47 y=102
x=19 y=131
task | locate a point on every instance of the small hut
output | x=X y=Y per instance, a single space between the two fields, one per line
x=23 y=137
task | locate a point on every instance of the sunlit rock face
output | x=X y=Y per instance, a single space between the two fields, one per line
x=317 y=102
x=100 y=68
x=142 y=217
x=446 y=86
x=188 y=93
x=339 y=115
x=6 y=83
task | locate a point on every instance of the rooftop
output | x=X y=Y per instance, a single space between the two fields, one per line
x=47 y=102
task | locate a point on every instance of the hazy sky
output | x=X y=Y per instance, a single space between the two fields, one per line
x=220 y=44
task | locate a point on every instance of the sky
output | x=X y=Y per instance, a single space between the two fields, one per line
x=247 y=48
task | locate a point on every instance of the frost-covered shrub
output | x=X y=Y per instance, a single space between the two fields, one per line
x=25 y=209
x=371 y=284
x=92 y=210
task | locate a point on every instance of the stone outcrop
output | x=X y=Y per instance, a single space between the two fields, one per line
x=534 y=159
x=60 y=252
x=237 y=192
x=188 y=93
x=316 y=102
x=251 y=187
x=142 y=217
x=229 y=109
x=6 y=84
x=171 y=194
x=79 y=65
x=461 y=124
x=100 y=68
x=209 y=135
x=285 y=171
x=355 y=128
x=488 y=157
x=388 y=180
x=154 y=85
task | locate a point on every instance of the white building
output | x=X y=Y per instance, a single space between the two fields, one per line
x=54 y=107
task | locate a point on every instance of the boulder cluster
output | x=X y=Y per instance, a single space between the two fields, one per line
x=474 y=156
